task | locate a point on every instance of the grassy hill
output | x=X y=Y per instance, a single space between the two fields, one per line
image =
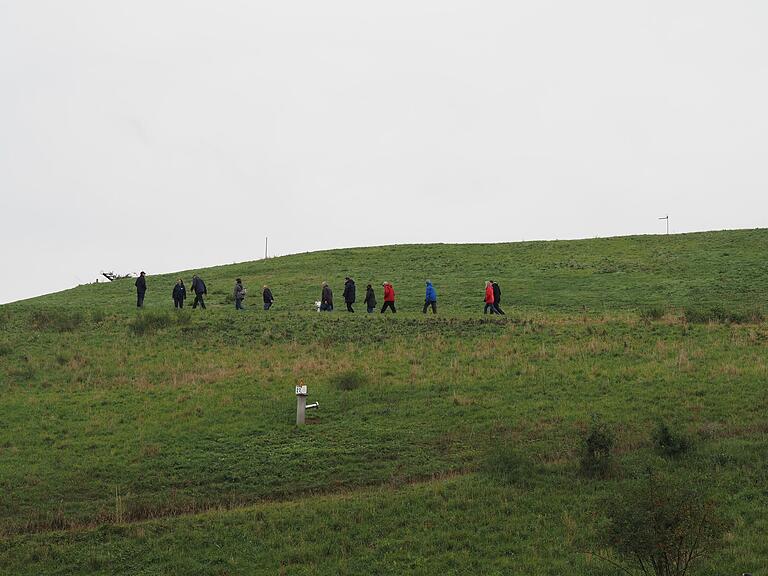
x=158 y=442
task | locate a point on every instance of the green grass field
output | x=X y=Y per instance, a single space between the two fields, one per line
x=159 y=442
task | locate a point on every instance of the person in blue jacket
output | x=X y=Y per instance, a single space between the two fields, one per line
x=431 y=298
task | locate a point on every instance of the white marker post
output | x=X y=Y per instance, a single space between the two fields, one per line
x=301 y=404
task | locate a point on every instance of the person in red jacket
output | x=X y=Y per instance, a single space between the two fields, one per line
x=389 y=298
x=489 y=298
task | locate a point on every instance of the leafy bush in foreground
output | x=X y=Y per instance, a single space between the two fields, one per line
x=662 y=526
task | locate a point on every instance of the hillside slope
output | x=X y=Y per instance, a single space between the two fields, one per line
x=726 y=268
x=163 y=442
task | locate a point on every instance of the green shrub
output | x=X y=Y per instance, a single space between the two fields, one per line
x=349 y=380
x=670 y=442
x=597 y=454
x=719 y=314
x=5 y=349
x=662 y=525
x=56 y=319
x=183 y=317
x=651 y=313
x=98 y=315
x=150 y=322
x=508 y=464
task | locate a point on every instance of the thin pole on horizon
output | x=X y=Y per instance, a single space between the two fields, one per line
x=266 y=246
x=667 y=219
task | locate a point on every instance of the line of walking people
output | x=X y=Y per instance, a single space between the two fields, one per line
x=325 y=304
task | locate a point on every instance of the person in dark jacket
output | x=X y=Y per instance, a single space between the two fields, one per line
x=370 y=298
x=179 y=294
x=141 y=288
x=488 y=298
x=496 y=297
x=268 y=299
x=326 y=298
x=389 y=298
x=349 y=293
x=239 y=294
x=198 y=287
x=430 y=299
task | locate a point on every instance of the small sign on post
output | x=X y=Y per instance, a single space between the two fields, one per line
x=301 y=403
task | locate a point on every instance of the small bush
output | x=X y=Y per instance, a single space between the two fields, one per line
x=183 y=318
x=150 y=322
x=670 y=442
x=658 y=525
x=98 y=315
x=597 y=455
x=349 y=380
x=513 y=467
x=719 y=314
x=56 y=319
x=651 y=313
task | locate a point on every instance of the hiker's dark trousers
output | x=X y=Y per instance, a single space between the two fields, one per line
x=198 y=300
x=388 y=305
x=427 y=304
x=349 y=306
x=489 y=307
x=178 y=302
x=498 y=309
x=139 y=299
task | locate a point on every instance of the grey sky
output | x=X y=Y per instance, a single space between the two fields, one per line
x=167 y=135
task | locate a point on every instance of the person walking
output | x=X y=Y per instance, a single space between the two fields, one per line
x=389 y=298
x=179 y=294
x=370 y=299
x=141 y=288
x=488 y=298
x=430 y=299
x=497 y=298
x=326 y=298
x=349 y=293
x=239 y=293
x=198 y=287
x=268 y=299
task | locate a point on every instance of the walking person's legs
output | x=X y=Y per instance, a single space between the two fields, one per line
x=434 y=307
x=426 y=305
x=349 y=307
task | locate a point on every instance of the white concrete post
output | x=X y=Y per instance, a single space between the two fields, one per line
x=301 y=404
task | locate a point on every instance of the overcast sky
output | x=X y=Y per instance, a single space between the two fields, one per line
x=162 y=135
